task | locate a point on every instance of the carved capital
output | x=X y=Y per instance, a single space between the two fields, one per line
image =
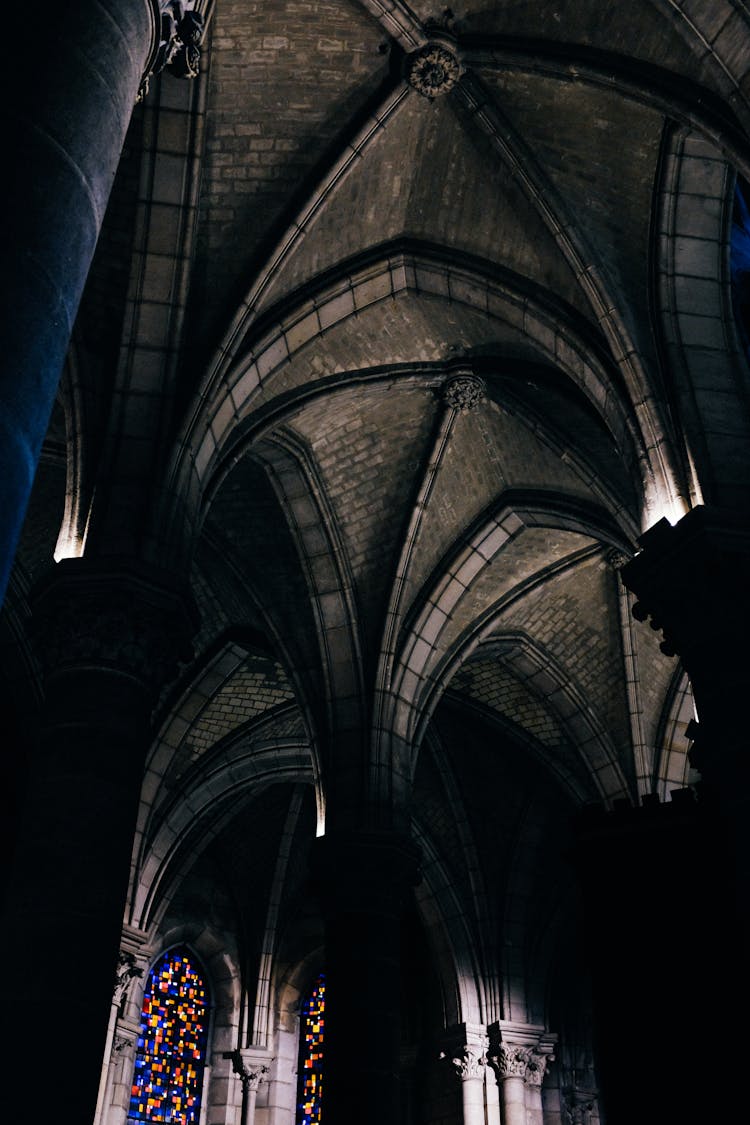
x=178 y=50
x=578 y=1107
x=250 y=1072
x=470 y=1061
x=511 y=1060
x=117 y=619
x=464 y=392
x=126 y=971
x=691 y=582
x=122 y=1042
x=535 y=1068
x=434 y=69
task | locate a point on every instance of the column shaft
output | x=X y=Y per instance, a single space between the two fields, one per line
x=472 y=1095
x=62 y=922
x=66 y=132
x=513 y=1100
x=363 y=882
x=109 y=640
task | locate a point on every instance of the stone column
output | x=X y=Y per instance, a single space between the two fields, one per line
x=363 y=880
x=110 y=639
x=64 y=118
x=510 y=1063
x=536 y=1067
x=251 y=1071
x=470 y=1064
x=127 y=970
x=691 y=580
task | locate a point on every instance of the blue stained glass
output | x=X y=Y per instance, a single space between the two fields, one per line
x=171 y=1045
x=310 y=1070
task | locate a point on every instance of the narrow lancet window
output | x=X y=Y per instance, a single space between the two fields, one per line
x=310 y=1070
x=171 y=1049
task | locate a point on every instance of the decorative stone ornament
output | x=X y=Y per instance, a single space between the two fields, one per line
x=464 y=392
x=124 y=974
x=433 y=70
x=617 y=559
x=250 y=1076
x=470 y=1062
x=535 y=1068
x=511 y=1060
x=179 y=42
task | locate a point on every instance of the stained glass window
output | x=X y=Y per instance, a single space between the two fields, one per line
x=171 y=1049
x=311 y=1031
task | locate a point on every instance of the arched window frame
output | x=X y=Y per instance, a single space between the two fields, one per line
x=189 y=1114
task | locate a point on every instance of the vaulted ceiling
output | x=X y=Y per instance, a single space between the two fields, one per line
x=385 y=374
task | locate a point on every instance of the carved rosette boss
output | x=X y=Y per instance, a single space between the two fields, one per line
x=464 y=392
x=434 y=69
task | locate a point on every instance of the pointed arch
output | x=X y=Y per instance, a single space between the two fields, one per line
x=172 y=1042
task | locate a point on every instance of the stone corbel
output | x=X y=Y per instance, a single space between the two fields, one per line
x=180 y=37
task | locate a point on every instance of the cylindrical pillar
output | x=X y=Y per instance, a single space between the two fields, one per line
x=691 y=580
x=109 y=640
x=364 y=880
x=470 y=1064
x=510 y=1063
x=513 y=1095
x=535 y=1069
x=81 y=75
